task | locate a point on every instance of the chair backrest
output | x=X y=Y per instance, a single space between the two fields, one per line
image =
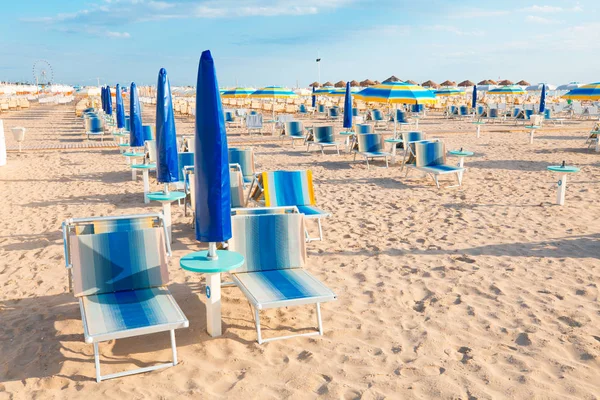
x=377 y=115
x=400 y=116
x=302 y=108
x=430 y=153
x=185 y=160
x=547 y=113
x=117 y=261
x=96 y=125
x=516 y=112
x=412 y=136
x=493 y=113
x=417 y=108
x=229 y=116
x=528 y=114
x=265 y=210
x=269 y=242
x=254 y=121
x=150 y=146
x=354 y=112
x=480 y=110
x=370 y=142
x=148 y=132
x=363 y=128
x=245 y=158
x=320 y=108
x=288 y=188
x=464 y=110
x=334 y=112
x=236 y=184
x=323 y=134
x=294 y=129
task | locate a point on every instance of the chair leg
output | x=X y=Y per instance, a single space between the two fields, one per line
x=368 y=166
x=173 y=347
x=320 y=229
x=386 y=162
x=437 y=183
x=97 y=362
x=257 y=323
x=319 y=319
x=322 y=152
x=338 y=149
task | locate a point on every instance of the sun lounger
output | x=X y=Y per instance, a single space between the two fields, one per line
x=333 y=114
x=407 y=139
x=289 y=188
x=294 y=130
x=431 y=159
x=370 y=145
x=245 y=159
x=377 y=117
x=254 y=122
x=120 y=285
x=273 y=274
x=323 y=137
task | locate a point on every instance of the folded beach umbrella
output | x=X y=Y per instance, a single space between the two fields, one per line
x=348 y=107
x=543 y=99
x=474 y=99
x=167 y=167
x=213 y=204
x=103 y=98
x=136 y=137
x=238 y=92
x=591 y=91
x=448 y=91
x=120 y=108
x=397 y=93
x=313 y=98
x=508 y=90
x=109 y=108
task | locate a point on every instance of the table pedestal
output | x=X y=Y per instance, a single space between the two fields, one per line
x=478 y=131
x=213 y=304
x=133 y=170
x=562 y=190
x=146 y=178
x=166 y=205
x=166 y=199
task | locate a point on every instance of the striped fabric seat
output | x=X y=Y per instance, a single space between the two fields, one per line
x=116 y=225
x=185 y=160
x=312 y=211
x=363 y=128
x=265 y=210
x=294 y=129
x=431 y=159
x=377 y=115
x=148 y=132
x=236 y=183
x=401 y=117
x=118 y=261
x=324 y=134
x=278 y=286
x=334 y=113
x=245 y=159
x=109 y=313
x=370 y=145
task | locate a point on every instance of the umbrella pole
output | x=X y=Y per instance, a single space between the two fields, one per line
x=166 y=188
x=395 y=121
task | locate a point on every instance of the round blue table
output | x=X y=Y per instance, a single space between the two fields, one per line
x=200 y=263
x=131 y=158
x=562 y=182
x=461 y=156
x=533 y=128
x=478 y=125
x=145 y=168
x=394 y=142
x=166 y=200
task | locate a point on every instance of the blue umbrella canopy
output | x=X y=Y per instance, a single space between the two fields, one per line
x=109 y=108
x=167 y=167
x=348 y=107
x=543 y=99
x=314 y=98
x=213 y=194
x=120 y=108
x=474 y=100
x=136 y=136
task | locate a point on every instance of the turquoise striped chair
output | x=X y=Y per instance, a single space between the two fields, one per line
x=407 y=139
x=323 y=136
x=95 y=128
x=119 y=272
x=377 y=117
x=245 y=159
x=295 y=131
x=289 y=188
x=431 y=159
x=273 y=274
x=370 y=145
x=333 y=114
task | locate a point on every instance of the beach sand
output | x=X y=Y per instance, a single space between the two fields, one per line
x=487 y=291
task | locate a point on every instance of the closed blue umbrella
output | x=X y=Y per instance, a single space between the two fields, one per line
x=474 y=100
x=120 y=108
x=103 y=98
x=543 y=99
x=167 y=167
x=136 y=136
x=314 y=98
x=348 y=108
x=213 y=197
x=109 y=109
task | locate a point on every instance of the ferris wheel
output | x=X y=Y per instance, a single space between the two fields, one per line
x=42 y=73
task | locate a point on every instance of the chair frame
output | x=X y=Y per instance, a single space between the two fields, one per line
x=95 y=340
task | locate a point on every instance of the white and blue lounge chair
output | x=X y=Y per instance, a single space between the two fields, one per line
x=273 y=274
x=244 y=158
x=254 y=122
x=431 y=159
x=333 y=114
x=289 y=188
x=294 y=130
x=120 y=285
x=463 y=112
x=407 y=139
x=323 y=137
x=96 y=128
x=377 y=117
x=370 y=145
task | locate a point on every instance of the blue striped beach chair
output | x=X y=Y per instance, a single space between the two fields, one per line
x=409 y=138
x=95 y=128
x=231 y=118
x=463 y=112
x=289 y=188
x=333 y=114
x=323 y=136
x=370 y=145
x=294 y=130
x=244 y=158
x=119 y=272
x=493 y=115
x=377 y=117
x=431 y=159
x=273 y=274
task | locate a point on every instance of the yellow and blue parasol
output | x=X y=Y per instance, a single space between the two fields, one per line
x=591 y=91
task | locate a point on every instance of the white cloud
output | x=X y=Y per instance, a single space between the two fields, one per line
x=536 y=19
x=478 y=13
x=118 y=35
x=552 y=9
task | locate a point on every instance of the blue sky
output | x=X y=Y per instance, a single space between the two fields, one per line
x=265 y=42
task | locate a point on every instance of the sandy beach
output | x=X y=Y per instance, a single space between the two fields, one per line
x=487 y=291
